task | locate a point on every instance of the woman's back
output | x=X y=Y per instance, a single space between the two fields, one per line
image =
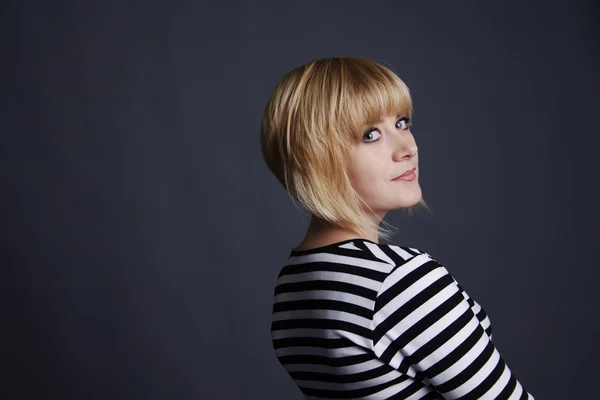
x=358 y=319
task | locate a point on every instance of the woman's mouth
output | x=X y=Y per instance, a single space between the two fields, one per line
x=407 y=176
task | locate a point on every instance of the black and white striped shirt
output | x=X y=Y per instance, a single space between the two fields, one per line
x=362 y=320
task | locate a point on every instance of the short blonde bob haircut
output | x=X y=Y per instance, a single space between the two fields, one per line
x=314 y=116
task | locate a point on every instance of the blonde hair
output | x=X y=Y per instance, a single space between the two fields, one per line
x=314 y=116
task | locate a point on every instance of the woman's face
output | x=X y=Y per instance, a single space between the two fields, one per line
x=387 y=150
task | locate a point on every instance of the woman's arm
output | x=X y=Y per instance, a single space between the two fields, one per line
x=424 y=326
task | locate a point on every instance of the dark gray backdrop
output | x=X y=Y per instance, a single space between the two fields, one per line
x=142 y=234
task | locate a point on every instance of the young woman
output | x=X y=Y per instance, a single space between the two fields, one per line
x=352 y=317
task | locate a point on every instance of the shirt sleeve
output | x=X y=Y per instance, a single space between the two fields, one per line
x=424 y=326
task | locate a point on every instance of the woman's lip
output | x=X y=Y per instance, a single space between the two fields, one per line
x=406 y=177
x=408 y=174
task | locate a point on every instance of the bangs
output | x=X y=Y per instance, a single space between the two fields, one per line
x=371 y=92
x=315 y=115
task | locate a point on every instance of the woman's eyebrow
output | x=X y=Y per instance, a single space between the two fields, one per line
x=397 y=116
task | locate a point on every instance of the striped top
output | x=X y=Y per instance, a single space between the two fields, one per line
x=362 y=320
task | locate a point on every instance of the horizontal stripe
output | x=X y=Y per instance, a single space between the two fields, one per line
x=363 y=264
x=345 y=277
x=371 y=321
x=340 y=287
x=336 y=369
x=347 y=297
x=319 y=351
x=329 y=305
x=329 y=360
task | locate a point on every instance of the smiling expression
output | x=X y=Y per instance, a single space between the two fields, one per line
x=387 y=150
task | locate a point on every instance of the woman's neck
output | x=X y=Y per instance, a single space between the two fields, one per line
x=320 y=233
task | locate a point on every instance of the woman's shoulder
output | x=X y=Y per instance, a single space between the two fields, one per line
x=358 y=248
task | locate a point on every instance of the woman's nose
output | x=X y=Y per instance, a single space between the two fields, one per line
x=405 y=149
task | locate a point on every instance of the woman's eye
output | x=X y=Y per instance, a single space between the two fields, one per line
x=403 y=123
x=371 y=136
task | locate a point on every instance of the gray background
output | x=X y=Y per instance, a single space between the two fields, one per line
x=142 y=234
